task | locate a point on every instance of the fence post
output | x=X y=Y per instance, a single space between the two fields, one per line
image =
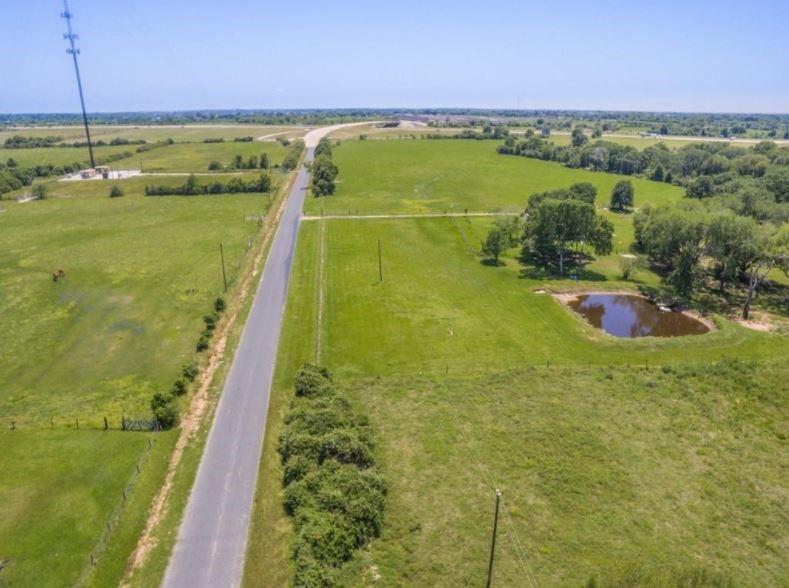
x=123 y=423
x=106 y=424
x=13 y=425
x=77 y=423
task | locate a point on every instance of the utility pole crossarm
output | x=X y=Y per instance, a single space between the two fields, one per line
x=71 y=36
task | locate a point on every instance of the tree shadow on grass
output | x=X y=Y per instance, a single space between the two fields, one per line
x=492 y=262
x=537 y=268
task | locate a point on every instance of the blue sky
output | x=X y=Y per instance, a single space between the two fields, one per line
x=166 y=55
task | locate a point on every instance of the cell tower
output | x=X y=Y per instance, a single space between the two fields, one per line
x=70 y=36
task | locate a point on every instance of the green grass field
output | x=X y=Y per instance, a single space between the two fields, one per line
x=452 y=176
x=635 y=462
x=50 y=523
x=139 y=274
x=60 y=155
x=195 y=157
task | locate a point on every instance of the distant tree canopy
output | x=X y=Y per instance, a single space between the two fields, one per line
x=749 y=181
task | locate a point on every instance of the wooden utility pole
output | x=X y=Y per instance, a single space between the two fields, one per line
x=380 y=266
x=222 y=255
x=493 y=540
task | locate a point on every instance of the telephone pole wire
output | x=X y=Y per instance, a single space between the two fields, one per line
x=71 y=36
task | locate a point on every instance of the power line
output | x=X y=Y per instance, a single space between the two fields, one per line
x=71 y=36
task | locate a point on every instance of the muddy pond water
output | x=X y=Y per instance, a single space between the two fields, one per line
x=625 y=315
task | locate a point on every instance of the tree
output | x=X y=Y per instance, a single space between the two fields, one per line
x=323 y=148
x=675 y=237
x=252 y=163
x=323 y=174
x=39 y=192
x=214 y=166
x=664 y=129
x=494 y=244
x=622 y=196
x=264 y=162
x=238 y=162
x=658 y=174
x=578 y=138
x=771 y=250
x=732 y=243
x=701 y=187
x=556 y=224
x=584 y=191
x=777 y=182
x=116 y=191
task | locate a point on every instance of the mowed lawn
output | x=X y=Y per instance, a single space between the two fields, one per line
x=451 y=175
x=139 y=274
x=58 y=490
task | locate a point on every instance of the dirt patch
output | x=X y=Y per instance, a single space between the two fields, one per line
x=202 y=404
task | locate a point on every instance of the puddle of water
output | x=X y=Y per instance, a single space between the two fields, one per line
x=624 y=315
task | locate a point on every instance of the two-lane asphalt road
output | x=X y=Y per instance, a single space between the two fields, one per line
x=213 y=535
x=212 y=539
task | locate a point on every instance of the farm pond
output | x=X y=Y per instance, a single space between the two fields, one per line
x=628 y=315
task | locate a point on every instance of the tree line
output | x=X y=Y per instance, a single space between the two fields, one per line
x=192 y=187
x=333 y=490
x=750 y=181
x=22 y=142
x=323 y=170
x=238 y=162
x=691 y=240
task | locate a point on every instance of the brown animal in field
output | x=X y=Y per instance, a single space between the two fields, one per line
x=58 y=274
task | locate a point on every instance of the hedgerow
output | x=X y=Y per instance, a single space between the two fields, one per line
x=333 y=490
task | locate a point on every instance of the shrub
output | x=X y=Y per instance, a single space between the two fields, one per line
x=190 y=372
x=312 y=381
x=219 y=304
x=210 y=321
x=332 y=489
x=179 y=387
x=165 y=409
x=214 y=166
x=116 y=192
x=202 y=342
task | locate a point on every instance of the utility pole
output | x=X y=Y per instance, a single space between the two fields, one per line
x=493 y=541
x=380 y=267
x=222 y=255
x=70 y=36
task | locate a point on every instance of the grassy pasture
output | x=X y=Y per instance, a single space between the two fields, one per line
x=195 y=157
x=608 y=467
x=149 y=133
x=140 y=272
x=50 y=523
x=452 y=175
x=60 y=155
x=612 y=473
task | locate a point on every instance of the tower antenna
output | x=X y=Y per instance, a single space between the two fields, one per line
x=71 y=36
